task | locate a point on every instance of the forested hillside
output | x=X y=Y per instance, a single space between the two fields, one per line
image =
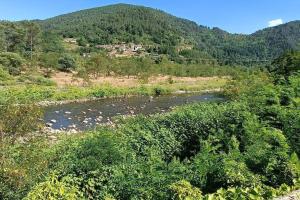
x=123 y=23
x=127 y=23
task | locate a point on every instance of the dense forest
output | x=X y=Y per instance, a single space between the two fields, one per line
x=128 y=23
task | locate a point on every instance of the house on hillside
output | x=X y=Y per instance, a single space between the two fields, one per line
x=135 y=48
x=122 y=50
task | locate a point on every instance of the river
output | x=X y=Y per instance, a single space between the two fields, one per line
x=86 y=115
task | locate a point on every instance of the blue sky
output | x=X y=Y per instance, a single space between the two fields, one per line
x=235 y=16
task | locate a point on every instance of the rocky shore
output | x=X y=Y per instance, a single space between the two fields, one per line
x=51 y=103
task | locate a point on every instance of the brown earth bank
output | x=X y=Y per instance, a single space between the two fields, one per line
x=63 y=79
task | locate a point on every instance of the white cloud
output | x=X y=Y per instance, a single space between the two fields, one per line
x=275 y=22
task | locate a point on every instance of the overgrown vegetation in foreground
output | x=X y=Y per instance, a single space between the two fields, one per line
x=247 y=148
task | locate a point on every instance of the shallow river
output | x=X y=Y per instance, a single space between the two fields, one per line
x=87 y=115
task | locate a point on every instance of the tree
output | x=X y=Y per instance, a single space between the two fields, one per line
x=99 y=64
x=14 y=37
x=2 y=38
x=12 y=62
x=82 y=42
x=66 y=63
x=51 y=42
x=49 y=60
x=32 y=36
x=286 y=65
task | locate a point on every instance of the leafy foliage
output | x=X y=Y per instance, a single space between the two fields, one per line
x=53 y=189
x=12 y=62
x=183 y=190
x=17 y=120
x=286 y=65
x=210 y=146
x=66 y=63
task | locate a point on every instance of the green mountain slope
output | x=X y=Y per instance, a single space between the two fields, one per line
x=129 y=23
x=123 y=23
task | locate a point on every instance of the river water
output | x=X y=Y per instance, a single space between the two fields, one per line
x=86 y=115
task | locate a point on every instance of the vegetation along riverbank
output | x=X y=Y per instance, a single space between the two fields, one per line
x=69 y=93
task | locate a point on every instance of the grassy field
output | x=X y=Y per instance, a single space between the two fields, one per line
x=110 y=87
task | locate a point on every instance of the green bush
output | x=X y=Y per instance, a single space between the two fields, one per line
x=160 y=91
x=53 y=189
x=146 y=134
x=12 y=62
x=18 y=119
x=98 y=94
x=257 y=192
x=183 y=190
x=295 y=84
x=49 y=60
x=37 y=80
x=4 y=75
x=286 y=96
x=212 y=170
x=92 y=153
x=291 y=128
x=66 y=63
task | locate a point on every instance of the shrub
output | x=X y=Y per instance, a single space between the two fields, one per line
x=145 y=135
x=286 y=65
x=37 y=80
x=12 y=62
x=183 y=190
x=53 y=189
x=212 y=170
x=157 y=91
x=43 y=81
x=269 y=157
x=96 y=150
x=4 y=75
x=66 y=63
x=49 y=60
x=98 y=94
x=286 y=96
x=18 y=119
x=291 y=128
x=256 y=192
x=295 y=84
x=170 y=80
